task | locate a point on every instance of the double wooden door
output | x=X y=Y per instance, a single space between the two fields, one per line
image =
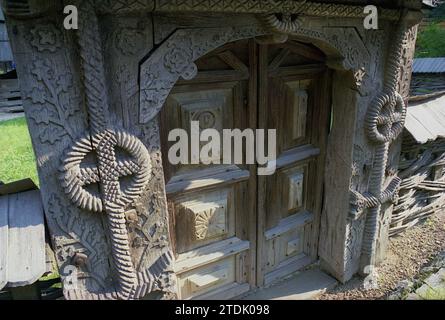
x=233 y=230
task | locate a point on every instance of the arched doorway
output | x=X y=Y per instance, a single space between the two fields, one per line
x=231 y=229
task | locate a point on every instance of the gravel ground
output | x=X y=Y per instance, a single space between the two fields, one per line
x=407 y=255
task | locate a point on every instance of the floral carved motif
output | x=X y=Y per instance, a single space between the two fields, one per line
x=46 y=37
x=175 y=58
x=53 y=103
x=129 y=41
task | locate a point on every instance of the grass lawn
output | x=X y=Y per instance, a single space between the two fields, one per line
x=17 y=159
x=431 y=41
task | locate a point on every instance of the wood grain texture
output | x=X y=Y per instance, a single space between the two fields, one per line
x=26 y=255
x=4 y=243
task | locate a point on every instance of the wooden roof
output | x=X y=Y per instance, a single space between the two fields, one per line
x=429 y=65
x=425 y=120
x=22 y=235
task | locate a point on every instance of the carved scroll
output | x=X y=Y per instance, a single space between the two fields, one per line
x=175 y=58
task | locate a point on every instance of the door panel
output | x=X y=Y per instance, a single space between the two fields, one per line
x=208 y=204
x=231 y=229
x=287 y=201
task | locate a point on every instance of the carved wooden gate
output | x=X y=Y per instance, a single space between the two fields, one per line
x=231 y=229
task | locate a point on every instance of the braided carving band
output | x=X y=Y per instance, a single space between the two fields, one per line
x=78 y=174
x=386 y=118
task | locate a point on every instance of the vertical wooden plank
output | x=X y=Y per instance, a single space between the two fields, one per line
x=26 y=253
x=320 y=137
x=252 y=183
x=3 y=240
x=261 y=186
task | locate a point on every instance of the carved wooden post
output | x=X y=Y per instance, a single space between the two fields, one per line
x=82 y=140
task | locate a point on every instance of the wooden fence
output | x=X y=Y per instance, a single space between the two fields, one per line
x=422 y=191
x=10 y=98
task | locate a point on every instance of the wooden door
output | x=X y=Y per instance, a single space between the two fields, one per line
x=231 y=229
x=212 y=207
x=294 y=100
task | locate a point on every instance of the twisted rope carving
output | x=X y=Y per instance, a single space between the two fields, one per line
x=287 y=24
x=384 y=122
x=76 y=175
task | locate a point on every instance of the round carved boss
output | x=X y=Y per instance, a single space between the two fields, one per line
x=386 y=117
x=80 y=171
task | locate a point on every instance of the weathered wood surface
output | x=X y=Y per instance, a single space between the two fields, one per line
x=22 y=239
x=4 y=229
x=10 y=97
x=422 y=191
x=144 y=58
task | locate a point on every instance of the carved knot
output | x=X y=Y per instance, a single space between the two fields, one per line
x=360 y=202
x=386 y=117
x=282 y=22
x=79 y=170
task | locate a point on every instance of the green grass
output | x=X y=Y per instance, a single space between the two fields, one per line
x=431 y=41
x=17 y=159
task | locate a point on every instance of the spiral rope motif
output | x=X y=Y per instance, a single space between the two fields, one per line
x=287 y=24
x=76 y=176
x=384 y=122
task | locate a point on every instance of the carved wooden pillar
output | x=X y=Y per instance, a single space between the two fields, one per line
x=101 y=174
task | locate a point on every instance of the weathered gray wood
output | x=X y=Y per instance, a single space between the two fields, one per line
x=4 y=230
x=132 y=78
x=26 y=253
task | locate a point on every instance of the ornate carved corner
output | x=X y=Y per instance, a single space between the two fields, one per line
x=175 y=58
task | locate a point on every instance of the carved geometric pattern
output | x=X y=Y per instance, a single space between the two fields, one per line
x=175 y=58
x=296 y=183
x=267 y=6
x=210 y=222
x=207 y=112
x=209 y=216
x=76 y=176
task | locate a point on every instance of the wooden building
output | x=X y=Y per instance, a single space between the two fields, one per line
x=101 y=100
x=428 y=76
x=422 y=163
